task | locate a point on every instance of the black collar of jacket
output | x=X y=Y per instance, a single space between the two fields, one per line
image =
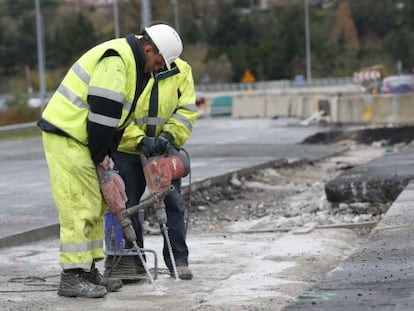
x=138 y=55
x=142 y=77
x=169 y=73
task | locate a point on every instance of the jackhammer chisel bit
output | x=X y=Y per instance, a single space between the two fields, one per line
x=161 y=215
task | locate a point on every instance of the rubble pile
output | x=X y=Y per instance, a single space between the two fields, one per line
x=282 y=198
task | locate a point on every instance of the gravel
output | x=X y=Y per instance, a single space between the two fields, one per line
x=283 y=198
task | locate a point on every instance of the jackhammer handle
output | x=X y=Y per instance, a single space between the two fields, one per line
x=148 y=202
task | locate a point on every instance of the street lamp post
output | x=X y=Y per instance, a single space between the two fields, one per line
x=40 y=54
x=176 y=17
x=399 y=6
x=116 y=18
x=307 y=41
x=145 y=13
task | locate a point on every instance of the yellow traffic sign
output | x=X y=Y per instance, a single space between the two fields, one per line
x=248 y=77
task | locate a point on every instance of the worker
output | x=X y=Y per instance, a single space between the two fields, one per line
x=81 y=126
x=165 y=119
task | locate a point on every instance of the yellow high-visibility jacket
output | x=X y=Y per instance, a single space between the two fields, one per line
x=95 y=98
x=172 y=94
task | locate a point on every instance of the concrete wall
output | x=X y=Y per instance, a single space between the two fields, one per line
x=348 y=108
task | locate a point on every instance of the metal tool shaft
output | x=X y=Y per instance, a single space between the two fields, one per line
x=170 y=251
x=144 y=264
x=154 y=198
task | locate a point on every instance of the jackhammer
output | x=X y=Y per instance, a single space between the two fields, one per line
x=113 y=191
x=159 y=171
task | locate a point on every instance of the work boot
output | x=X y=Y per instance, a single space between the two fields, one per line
x=95 y=277
x=72 y=284
x=184 y=273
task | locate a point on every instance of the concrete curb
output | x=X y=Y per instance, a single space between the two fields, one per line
x=29 y=236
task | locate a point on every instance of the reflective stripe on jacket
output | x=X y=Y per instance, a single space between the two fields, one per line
x=173 y=94
x=68 y=109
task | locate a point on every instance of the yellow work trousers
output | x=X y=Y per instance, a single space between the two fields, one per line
x=77 y=196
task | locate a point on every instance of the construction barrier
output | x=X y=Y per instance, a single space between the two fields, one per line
x=221 y=106
x=335 y=108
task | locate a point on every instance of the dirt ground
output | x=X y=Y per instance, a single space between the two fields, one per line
x=255 y=244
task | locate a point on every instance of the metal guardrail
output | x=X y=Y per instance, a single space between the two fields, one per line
x=234 y=87
x=276 y=84
x=17 y=127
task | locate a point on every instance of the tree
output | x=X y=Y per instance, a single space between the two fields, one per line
x=344 y=28
x=282 y=47
x=73 y=36
x=221 y=37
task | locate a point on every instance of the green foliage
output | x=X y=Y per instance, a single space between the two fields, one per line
x=386 y=31
x=401 y=45
x=235 y=35
x=281 y=45
x=8 y=33
x=73 y=36
x=18 y=45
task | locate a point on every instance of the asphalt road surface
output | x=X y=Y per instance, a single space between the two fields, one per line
x=217 y=147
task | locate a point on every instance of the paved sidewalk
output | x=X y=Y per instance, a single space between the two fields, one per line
x=380 y=275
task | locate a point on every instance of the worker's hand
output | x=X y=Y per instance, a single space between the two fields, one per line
x=162 y=143
x=146 y=146
x=107 y=163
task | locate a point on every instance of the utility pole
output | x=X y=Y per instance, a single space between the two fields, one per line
x=145 y=13
x=40 y=54
x=307 y=38
x=176 y=16
x=116 y=18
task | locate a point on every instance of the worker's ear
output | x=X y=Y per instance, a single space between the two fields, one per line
x=147 y=48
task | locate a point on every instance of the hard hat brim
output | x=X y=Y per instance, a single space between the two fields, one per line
x=167 y=64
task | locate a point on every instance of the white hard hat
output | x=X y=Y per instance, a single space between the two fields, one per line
x=167 y=40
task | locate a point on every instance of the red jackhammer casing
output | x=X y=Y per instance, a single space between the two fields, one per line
x=160 y=171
